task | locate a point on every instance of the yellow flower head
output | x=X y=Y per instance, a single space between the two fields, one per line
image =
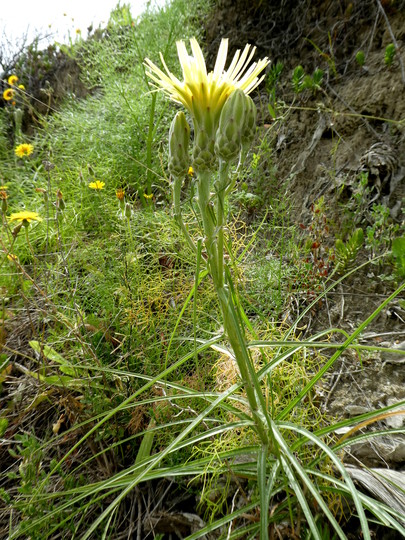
x=12 y=258
x=21 y=87
x=23 y=150
x=97 y=185
x=148 y=196
x=190 y=172
x=12 y=80
x=204 y=94
x=3 y=194
x=120 y=194
x=8 y=94
x=25 y=216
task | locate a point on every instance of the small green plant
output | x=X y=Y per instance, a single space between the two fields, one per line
x=316 y=264
x=360 y=58
x=389 y=54
x=271 y=84
x=301 y=81
x=298 y=79
x=381 y=231
x=398 y=252
x=346 y=252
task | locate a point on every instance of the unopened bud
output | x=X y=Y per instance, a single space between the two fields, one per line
x=16 y=230
x=18 y=116
x=250 y=123
x=48 y=166
x=203 y=151
x=44 y=193
x=3 y=198
x=127 y=210
x=179 y=138
x=231 y=126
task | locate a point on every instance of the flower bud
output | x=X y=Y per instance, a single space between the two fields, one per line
x=179 y=137
x=128 y=211
x=18 y=116
x=16 y=230
x=250 y=123
x=231 y=126
x=203 y=151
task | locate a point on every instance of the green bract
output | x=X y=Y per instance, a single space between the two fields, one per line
x=179 y=137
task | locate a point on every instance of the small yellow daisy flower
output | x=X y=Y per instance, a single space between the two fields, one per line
x=12 y=80
x=97 y=185
x=12 y=258
x=148 y=196
x=25 y=216
x=120 y=194
x=21 y=87
x=190 y=172
x=23 y=150
x=8 y=94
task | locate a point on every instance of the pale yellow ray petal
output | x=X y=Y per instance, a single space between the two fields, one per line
x=173 y=77
x=183 y=55
x=236 y=68
x=234 y=62
x=243 y=63
x=199 y=60
x=221 y=58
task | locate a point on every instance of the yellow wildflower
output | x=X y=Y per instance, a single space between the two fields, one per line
x=120 y=194
x=8 y=94
x=97 y=185
x=21 y=87
x=190 y=172
x=12 y=80
x=25 y=216
x=23 y=150
x=148 y=196
x=11 y=257
x=204 y=94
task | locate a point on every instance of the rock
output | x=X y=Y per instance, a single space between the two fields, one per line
x=396 y=421
x=393 y=358
x=378 y=451
x=355 y=410
x=386 y=485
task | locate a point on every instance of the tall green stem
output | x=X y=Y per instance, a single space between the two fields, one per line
x=214 y=230
x=177 y=212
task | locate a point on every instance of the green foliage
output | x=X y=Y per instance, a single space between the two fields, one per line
x=398 y=252
x=301 y=81
x=298 y=79
x=346 y=252
x=272 y=81
x=360 y=58
x=389 y=54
